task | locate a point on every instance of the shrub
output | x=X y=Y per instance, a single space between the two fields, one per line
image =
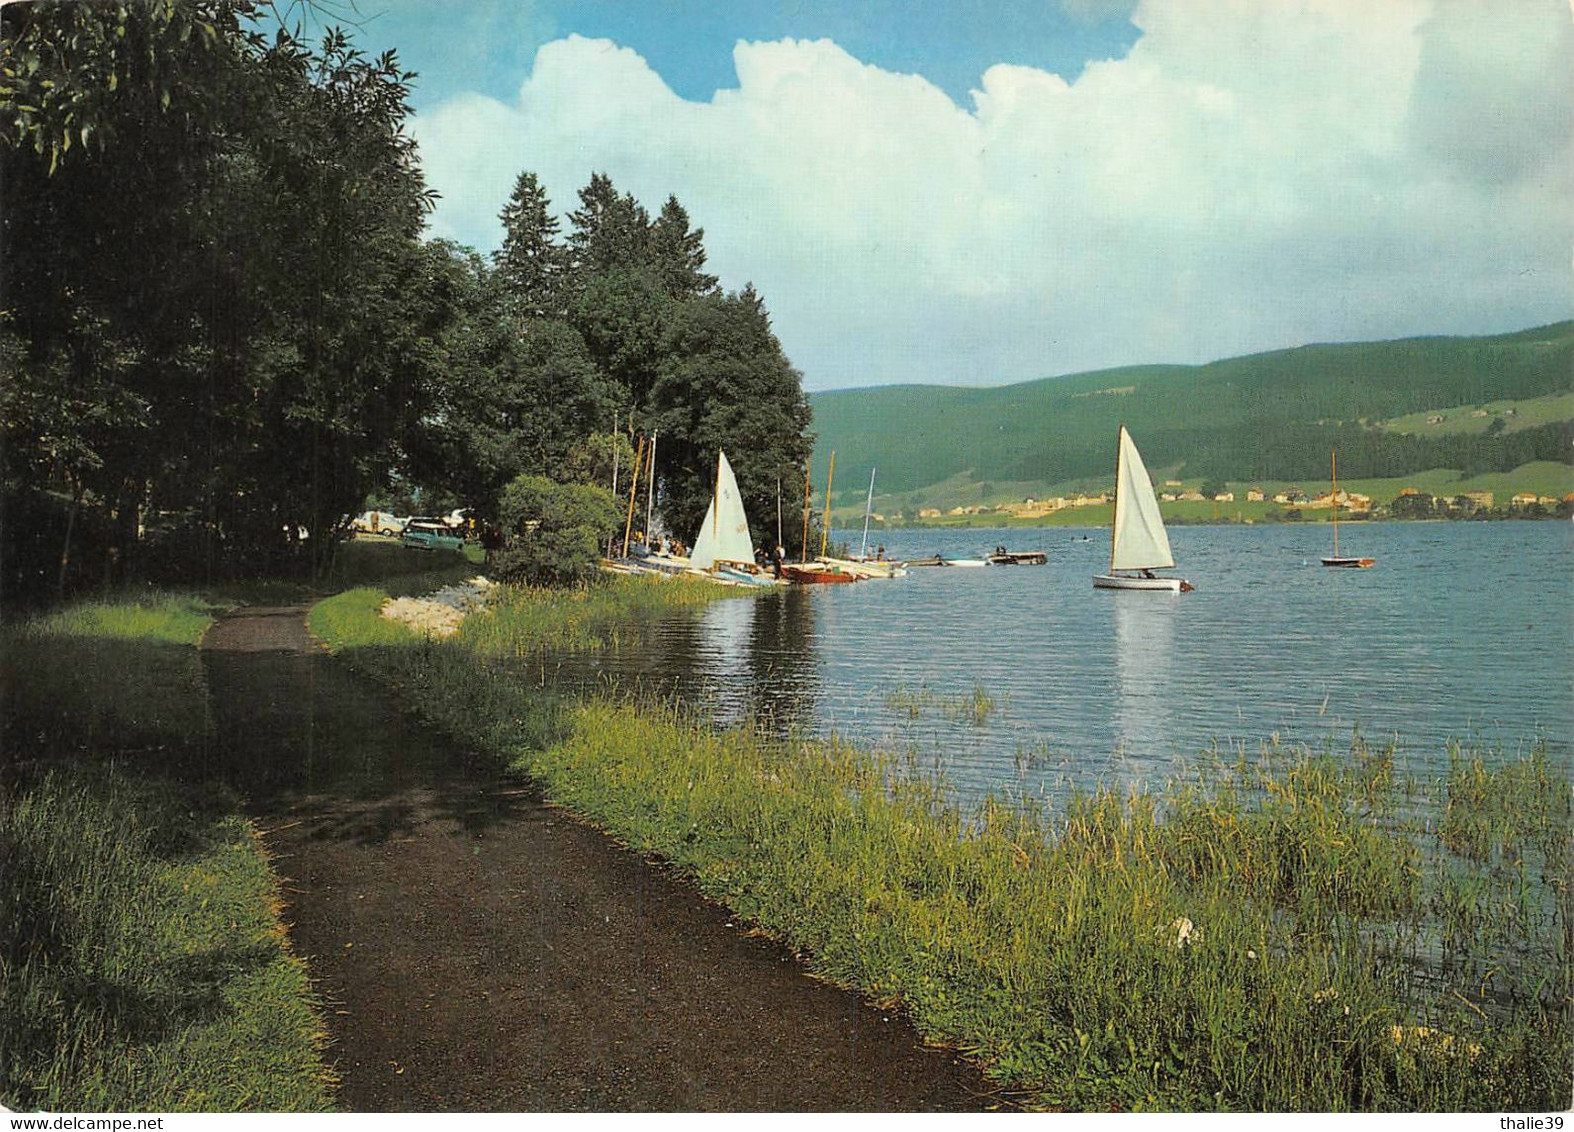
x=554 y=530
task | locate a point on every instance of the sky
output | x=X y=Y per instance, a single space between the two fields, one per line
x=979 y=192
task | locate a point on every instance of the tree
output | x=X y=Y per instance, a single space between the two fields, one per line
x=608 y=231
x=726 y=384
x=678 y=255
x=602 y=458
x=226 y=265
x=623 y=316
x=531 y=262
x=554 y=531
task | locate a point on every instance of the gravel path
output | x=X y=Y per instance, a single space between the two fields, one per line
x=483 y=951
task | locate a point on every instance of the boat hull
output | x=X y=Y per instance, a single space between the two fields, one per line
x=1123 y=582
x=1349 y=563
x=865 y=567
x=806 y=575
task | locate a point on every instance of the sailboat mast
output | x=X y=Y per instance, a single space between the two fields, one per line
x=613 y=436
x=779 y=512
x=650 y=487
x=628 y=526
x=803 y=547
x=863 y=549
x=825 y=531
x=1114 y=527
x=1333 y=463
x=715 y=499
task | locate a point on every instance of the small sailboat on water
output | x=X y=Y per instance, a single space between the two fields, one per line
x=1138 y=543
x=1336 y=559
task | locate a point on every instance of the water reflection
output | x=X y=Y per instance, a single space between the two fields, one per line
x=1144 y=654
x=749 y=661
x=753 y=661
x=785 y=689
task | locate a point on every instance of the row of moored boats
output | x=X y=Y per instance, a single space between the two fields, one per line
x=724 y=552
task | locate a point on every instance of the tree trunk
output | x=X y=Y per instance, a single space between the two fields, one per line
x=65 y=546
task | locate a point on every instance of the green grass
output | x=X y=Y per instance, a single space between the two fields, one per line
x=522 y=620
x=142 y=962
x=974 y=706
x=1528 y=413
x=153 y=616
x=1297 y=932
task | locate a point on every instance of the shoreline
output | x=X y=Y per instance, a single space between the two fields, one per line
x=823 y=846
x=1092 y=956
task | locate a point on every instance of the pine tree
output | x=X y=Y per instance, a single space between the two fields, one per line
x=531 y=261
x=678 y=255
x=609 y=231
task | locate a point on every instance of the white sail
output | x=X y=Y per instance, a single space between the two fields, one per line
x=1139 y=540
x=724 y=535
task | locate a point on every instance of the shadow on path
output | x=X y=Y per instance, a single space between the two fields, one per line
x=482 y=951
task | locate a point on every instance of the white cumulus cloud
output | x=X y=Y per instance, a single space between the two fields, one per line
x=1254 y=174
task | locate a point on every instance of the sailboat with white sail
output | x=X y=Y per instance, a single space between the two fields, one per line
x=1138 y=542
x=723 y=548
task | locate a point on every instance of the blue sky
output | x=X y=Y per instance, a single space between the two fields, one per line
x=486 y=45
x=980 y=193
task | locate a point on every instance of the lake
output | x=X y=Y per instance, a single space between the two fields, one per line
x=1025 y=680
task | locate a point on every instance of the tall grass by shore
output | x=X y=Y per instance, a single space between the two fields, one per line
x=143 y=965
x=141 y=960
x=1291 y=932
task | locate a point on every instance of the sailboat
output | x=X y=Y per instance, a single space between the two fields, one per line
x=1336 y=559
x=723 y=548
x=1138 y=544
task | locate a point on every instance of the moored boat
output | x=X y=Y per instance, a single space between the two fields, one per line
x=868 y=567
x=1004 y=557
x=723 y=542
x=1337 y=559
x=814 y=573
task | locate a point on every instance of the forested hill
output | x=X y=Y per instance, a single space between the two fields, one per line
x=1270 y=416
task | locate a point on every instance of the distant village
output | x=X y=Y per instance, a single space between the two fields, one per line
x=1352 y=504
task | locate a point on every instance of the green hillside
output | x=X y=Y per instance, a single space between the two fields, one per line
x=1265 y=417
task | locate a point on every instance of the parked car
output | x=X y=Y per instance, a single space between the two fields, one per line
x=379 y=523
x=424 y=533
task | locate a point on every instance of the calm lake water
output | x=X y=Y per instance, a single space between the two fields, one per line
x=1462 y=631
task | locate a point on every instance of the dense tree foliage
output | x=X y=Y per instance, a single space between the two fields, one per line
x=217 y=324
x=698 y=369
x=531 y=263
x=223 y=331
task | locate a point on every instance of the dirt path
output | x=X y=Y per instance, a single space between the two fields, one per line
x=482 y=951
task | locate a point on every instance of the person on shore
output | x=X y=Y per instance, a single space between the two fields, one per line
x=491 y=542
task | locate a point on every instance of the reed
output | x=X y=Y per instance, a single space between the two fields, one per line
x=523 y=620
x=975 y=706
x=1294 y=931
